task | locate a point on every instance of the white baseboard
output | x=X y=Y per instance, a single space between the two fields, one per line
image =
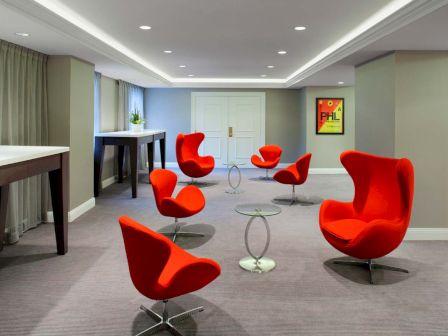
x=329 y=171
x=76 y=212
x=315 y=171
x=427 y=234
x=109 y=181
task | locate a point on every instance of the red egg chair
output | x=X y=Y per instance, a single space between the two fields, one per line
x=375 y=223
x=160 y=270
x=294 y=174
x=270 y=157
x=188 y=202
x=190 y=163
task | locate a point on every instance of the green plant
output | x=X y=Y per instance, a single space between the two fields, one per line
x=135 y=117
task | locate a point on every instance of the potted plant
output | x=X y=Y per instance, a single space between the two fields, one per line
x=136 y=121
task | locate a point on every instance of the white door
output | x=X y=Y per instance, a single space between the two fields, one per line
x=210 y=115
x=233 y=124
x=246 y=123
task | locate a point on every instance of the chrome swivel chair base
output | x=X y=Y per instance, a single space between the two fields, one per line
x=292 y=199
x=266 y=177
x=370 y=265
x=178 y=233
x=164 y=322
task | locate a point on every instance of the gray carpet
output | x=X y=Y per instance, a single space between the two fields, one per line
x=89 y=291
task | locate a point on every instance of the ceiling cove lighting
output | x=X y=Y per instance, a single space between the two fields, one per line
x=74 y=18
x=282 y=52
x=145 y=27
x=373 y=20
x=66 y=13
x=22 y=34
x=299 y=28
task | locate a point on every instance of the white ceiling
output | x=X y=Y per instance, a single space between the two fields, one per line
x=216 y=39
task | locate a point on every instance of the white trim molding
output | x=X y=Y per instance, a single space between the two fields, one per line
x=63 y=19
x=426 y=234
x=76 y=212
x=109 y=181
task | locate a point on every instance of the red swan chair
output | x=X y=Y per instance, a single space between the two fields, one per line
x=160 y=270
x=294 y=174
x=188 y=202
x=270 y=157
x=375 y=223
x=190 y=163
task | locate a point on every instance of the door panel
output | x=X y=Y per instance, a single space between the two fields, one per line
x=211 y=119
x=245 y=118
x=233 y=124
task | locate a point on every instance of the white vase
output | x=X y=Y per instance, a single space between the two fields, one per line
x=136 y=127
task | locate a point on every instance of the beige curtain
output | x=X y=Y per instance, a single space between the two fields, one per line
x=131 y=96
x=23 y=121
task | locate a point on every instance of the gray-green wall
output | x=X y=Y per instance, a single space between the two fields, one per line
x=419 y=119
x=70 y=104
x=170 y=109
x=327 y=148
x=375 y=99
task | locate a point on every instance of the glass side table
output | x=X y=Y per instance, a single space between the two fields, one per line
x=234 y=188
x=257 y=263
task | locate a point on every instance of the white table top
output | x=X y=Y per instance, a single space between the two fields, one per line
x=129 y=134
x=14 y=154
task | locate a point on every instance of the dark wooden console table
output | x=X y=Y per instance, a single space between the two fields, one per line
x=19 y=162
x=133 y=140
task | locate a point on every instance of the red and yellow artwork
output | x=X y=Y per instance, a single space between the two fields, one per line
x=329 y=115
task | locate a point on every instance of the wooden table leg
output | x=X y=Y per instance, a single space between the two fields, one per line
x=98 y=165
x=150 y=146
x=133 y=148
x=162 y=151
x=4 y=193
x=120 y=163
x=60 y=200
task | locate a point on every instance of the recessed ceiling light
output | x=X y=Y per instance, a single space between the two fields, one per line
x=182 y=66
x=300 y=28
x=271 y=66
x=340 y=83
x=281 y=52
x=262 y=75
x=23 y=34
x=191 y=75
x=145 y=27
x=168 y=51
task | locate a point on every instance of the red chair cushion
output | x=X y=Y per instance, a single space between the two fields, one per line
x=160 y=269
x=375 y=223
x=188 y=202
x=271 y=157
x=295 y=173
x=188 y=158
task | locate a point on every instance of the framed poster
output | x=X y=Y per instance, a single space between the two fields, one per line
x=330 y=116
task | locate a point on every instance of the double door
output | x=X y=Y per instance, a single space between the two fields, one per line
x=233 y=124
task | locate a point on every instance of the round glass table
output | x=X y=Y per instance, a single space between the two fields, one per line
x=257 y=263
x=234 y=188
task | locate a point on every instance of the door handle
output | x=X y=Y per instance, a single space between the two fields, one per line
x=230 y=132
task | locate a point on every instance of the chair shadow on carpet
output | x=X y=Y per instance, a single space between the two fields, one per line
x=360 y=274
x=25 y=259
x=300 y=200
x=189 y=243
x=199 y=184
x=212 y=321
